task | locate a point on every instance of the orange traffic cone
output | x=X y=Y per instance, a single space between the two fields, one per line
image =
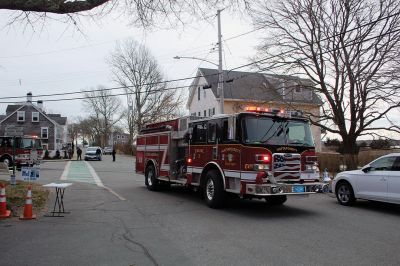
x=28 y=207
x=4 y=213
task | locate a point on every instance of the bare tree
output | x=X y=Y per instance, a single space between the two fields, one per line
x=89 y=130
x=349 y=49
x=105 y=110
x=143 y=12
x=73 y=131
x=149 y=99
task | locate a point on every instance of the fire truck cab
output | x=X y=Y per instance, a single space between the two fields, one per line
x=259 y=153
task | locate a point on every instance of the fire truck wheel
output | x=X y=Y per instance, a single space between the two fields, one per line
x=7 y=160
x=151 y=182
x=214 y=190
x=276 y=200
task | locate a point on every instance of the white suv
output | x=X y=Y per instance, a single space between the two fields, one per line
x=378 y=181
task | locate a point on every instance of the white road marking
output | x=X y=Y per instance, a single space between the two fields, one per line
x=64 y=175
x=100 y=184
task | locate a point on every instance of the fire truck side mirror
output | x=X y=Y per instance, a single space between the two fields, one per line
x=188 y=135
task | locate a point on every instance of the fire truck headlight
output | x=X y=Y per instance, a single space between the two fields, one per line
x=261 y=167
x=22 y=156
x=311 y=167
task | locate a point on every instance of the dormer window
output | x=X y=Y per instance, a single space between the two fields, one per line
x=20 y=116
x=298 y=89
x=35 y=116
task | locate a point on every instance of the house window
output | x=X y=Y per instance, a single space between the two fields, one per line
x=193 y=114
x=118 y=137
x=213 y=111
x=209 y=112
x=298 y=89
x=44 y=132
x=35 y=116
x=205 y=113
x=122 y=137
x=20 y=116
x=199 y=115
x=198 y=93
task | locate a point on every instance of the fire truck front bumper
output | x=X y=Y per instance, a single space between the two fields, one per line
x=260 y=190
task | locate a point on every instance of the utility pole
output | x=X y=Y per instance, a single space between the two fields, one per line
x=220 y=72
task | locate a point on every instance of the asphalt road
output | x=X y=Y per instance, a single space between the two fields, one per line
x=121 y=223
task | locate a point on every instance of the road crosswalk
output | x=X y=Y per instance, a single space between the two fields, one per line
x=80 y=171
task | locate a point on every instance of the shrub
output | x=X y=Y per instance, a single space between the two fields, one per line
x=46 y=154
x=380 y=144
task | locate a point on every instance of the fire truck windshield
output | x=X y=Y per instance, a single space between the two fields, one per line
x=276 y=131
x=29 y=143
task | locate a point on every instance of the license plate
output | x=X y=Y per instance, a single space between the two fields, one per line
x=298 y=189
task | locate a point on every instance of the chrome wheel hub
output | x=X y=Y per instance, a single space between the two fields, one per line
x=7 y=161
x=150 y=178
x=344 y=194
x=210 y=189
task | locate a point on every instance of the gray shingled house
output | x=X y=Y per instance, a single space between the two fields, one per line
x=242 y=89
x=51 y=128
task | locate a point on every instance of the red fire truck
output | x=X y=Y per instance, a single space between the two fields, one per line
x=259 y=153
x=28 y=149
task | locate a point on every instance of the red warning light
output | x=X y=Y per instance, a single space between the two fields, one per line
x=265 y=158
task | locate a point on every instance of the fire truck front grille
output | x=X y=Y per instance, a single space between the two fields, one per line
x=286 y=166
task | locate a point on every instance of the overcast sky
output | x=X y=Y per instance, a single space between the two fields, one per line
x=58 y=59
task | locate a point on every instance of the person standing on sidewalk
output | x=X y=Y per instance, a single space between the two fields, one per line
x=113 y=154
x=98 y=154
x=79 y=153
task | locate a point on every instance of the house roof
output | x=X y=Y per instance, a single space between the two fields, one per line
x=53 y=118
x=257 y=86
x=12 y=108
x=58 y=119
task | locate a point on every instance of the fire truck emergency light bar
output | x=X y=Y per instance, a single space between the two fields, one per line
x=279 y=112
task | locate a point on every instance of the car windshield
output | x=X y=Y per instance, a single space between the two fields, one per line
x=91 y=149
x=276 y=131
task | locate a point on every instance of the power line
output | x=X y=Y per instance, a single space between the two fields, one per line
x=245 y=33
x=163 y=82
x=54 y=51
x=193 y=77
x=111 y=95
x=325 y=39
x=106 y=89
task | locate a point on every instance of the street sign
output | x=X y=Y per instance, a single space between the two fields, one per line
x=30 y=173
x=13 y=131
x=13 y=134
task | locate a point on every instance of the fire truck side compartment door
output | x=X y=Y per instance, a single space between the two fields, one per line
x=213 y=138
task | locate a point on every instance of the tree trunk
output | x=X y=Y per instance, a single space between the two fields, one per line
x=350 y=153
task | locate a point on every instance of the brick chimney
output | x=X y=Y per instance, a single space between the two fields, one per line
x=29 y=97
x=40 y=104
